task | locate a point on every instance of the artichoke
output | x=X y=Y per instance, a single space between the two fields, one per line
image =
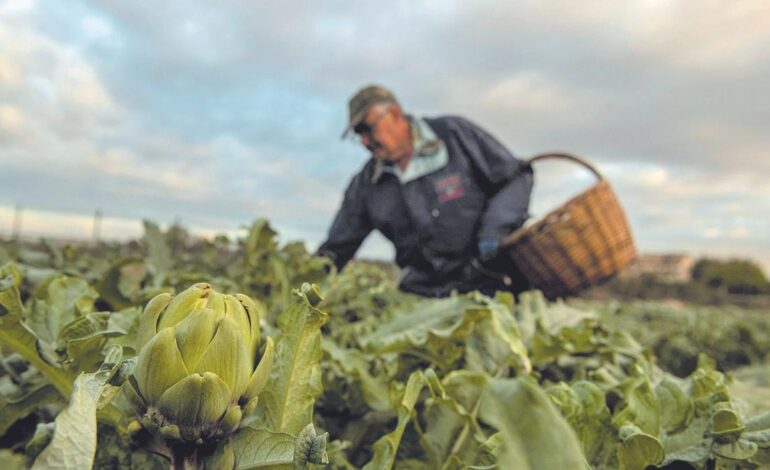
x=197 y=372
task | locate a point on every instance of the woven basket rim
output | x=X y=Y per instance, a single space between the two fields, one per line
x=511 y=239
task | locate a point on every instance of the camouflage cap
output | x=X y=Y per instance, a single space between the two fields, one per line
x=363 y=100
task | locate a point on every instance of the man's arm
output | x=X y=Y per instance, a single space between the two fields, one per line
x=505 y=179
x=349 y=229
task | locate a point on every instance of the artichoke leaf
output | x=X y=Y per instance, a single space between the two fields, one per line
x=13 y=409
x=74 y=442
x=262 y=448
x=386 y=447
x=159 y=366
x=261 y=374
x=227 y=357
x=195 y=333
x=287 y=405
x=533 y=433
x=195 y=400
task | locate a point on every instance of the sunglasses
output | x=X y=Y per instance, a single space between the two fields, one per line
x=366 y=128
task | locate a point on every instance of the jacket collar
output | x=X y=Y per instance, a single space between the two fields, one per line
x=429 y=154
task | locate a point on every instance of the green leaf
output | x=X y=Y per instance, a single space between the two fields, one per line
x=451 y=427
x=353 y=363
x=638 y=449
x=413 y=329
x=533 y=433
x=84 y=339
x=496 y=341
x=640 y=406
x=126 y=320
x=12 y=461
x=676 y=409
x=10 y=299
x=286 y=404
x=262 y=448
x=386 y=447
x=40 y=440
x=17 y=336
x=489 y=452
x=726 y=424
x=261 y=239
x=435 y=330
x=159 y=259
x=132 y=275
x=309 y=448
x=741 y=449
x=13 y=410
x=112 y=286
x=59 y=301
x=74 y=441
x=583 y=406
x=688 y=445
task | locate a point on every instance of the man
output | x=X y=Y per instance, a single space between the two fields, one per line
x=442 y=190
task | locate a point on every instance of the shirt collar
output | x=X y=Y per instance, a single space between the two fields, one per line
x=426 y=146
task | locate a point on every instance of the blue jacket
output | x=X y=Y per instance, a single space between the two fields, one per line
x=436 y=220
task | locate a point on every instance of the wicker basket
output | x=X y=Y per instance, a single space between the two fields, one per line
x=584 y=242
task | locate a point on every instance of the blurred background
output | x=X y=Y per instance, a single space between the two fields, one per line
x=211 y=114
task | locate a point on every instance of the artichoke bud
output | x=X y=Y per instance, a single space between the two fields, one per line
x=216 y=301
x=149 y=422
x=231 y=420
x=149 y=319
x=256 y=311
x=262 y=373
x=183 y=304
x=250 y=406
x=198 y=367
x=170 y=432
x=134 y=428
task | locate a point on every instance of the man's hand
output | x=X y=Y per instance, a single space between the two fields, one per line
x=488 y=248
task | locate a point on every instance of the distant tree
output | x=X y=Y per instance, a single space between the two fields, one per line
x=734 y=276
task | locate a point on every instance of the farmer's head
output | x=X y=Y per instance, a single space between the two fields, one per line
x=378 y=120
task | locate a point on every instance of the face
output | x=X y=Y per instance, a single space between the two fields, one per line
x=385 y=132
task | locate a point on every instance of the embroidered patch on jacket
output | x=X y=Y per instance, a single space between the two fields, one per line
x=449 y=188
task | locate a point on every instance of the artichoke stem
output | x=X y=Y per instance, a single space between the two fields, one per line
x=184 y=457
x=190 y=456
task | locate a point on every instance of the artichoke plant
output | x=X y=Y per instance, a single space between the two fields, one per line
x=197 y=371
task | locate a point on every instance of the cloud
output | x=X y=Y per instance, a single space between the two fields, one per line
x=12 y=122
x=10 y=75
x=219 y=114
x=529 y=92
x=730 y=147
x=61 y=95
x=716 y=37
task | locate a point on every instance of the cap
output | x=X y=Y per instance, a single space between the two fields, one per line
x=363 y=100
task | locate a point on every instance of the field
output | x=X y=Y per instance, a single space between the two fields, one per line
x=133 y=356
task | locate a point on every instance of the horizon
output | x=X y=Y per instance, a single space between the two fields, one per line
x=86 y=236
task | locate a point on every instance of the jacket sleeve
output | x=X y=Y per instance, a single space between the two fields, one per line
x=350 y=227
x=506 y=180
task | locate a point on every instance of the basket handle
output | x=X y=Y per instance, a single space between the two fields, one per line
x=566 y=156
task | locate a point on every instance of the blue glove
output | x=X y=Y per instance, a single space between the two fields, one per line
x=488 y=248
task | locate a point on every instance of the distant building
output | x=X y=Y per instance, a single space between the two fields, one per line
x=666 y=267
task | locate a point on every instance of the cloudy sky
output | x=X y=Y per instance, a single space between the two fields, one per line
x=216 y=113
